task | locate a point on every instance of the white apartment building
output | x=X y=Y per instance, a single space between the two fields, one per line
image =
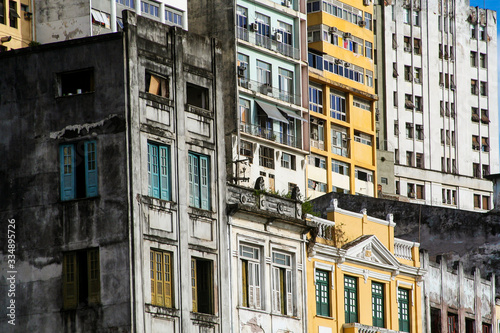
x=438 y=109
x=58 y=20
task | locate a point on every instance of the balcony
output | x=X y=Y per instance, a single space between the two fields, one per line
x=268 y=43
x=268 y=90
x=402 y=248
x=271 y=135
x=359 y=328
x=326 y=228
x=318 y=144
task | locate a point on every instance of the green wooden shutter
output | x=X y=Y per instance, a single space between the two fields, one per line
x=91 y=180
x=322 y=293
x=93 y=270
x=67 y=172
x=350 y=299
x=70 y=281
x=164 y=173
x=205 y=182
x=403 y=310
x=378 y=304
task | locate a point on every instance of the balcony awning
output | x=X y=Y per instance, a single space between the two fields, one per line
x=292 y=114
x=272 y=111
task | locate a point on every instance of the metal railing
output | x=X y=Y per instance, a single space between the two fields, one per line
x=266 y=89
x=268 y=43
x=271 y=135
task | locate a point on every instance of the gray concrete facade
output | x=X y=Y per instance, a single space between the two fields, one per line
x=152 y=106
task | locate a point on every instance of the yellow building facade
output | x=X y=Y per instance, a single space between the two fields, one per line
x=360 y=278
x=341 y=98
x=16 y=24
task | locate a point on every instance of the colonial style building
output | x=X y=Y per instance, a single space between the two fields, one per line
x=340 y=37
x=360 y=278
x=118 y=184
x=437 y=82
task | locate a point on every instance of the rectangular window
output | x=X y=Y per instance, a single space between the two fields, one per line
x=75 y=82
x=199 y=180
x=81 y=278
x=246 y=149
x=363 y=138
x=13 y=15
x=337 y=106
x=482 y=32
x=436 y=314
x=282 y=283
x=156 y=85
x=486 y=202
x=322 y=293
x=150 y=8
x=368 y=50
x=474 y=89
x=420 y=160
x=350 y=299
x=482 y=60
x=409 y=158
x=420 y=192
x=417 y=48
x=78 y=170
x=403 y=309
x=161 y=278
x=317 y=161
x=470 y=325
x=473 y=31
x=339 y=141
x=416 y=18
x=452 y=323
x=159 y=171
x=174 y=17
x=409 y=130
x=316 y=99
x=473 y=59
x=288 y=161
x=378 y=304
x=197 y=96
x=266 y=157
x=406 y=16
x=2 y=13
x=285 y=85
x=340 y=167
x=484 y=88
x=250 y=276
x=202 y=285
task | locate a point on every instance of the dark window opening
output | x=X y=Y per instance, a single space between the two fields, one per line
x=2 y=11
x=156 y=85
x=202 y=284
x=452 y=323
x=81 y=278
x=469 y=325
x=435 y=320
x=78 y=82
x=13 y=15
x=197 y=96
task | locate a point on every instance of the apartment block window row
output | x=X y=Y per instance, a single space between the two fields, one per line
x=482 y=201
x=480 y=171
x=408 y=13
x=416 y=191
x=337 y=37
x=362 y=104
x=339 y=67
x=363 y=138
x=341 y=10
x=12 y=13
x=317 y=161
x=150 y=8
x=127 y=3
x=477 y=31
x=316 y=185
x=449 y=196
x=173 y=16
x=447 y=109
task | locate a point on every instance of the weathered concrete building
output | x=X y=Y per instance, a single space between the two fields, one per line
x=267 y=248
x=437 y=81
x=114 y=173
x=70 y=19
x=456 y=301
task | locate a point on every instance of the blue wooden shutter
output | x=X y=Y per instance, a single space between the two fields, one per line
x=191 y=159
x=91 y=181
x=204 y=182
x=164 y=173
x=153 y=172
x=67 y=155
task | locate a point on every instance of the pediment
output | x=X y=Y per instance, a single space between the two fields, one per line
x=370 y=249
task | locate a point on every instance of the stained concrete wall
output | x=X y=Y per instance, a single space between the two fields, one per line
x=456 y=234
x=34 y=122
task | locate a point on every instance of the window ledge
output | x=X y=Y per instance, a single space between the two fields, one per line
x=161 y=310
x=325 y=317
x=159 y=204
x=156 y=98
x=204 y=317
x=73 y=95
x=200 y=212
x=284 y=316
x=199 y=111
x=79 y=199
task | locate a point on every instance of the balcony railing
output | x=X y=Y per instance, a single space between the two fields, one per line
x=318 y=144
x=402 y=248
x=268 y=90
x=271 y=135
x=326 y=228
x=268 y=43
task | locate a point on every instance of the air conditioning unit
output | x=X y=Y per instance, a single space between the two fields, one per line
x=279 y=37
x=333 y=30
x=346 y=64
x=287 y=3
x=347 y=35
x=366 y=2
x=453 y=87
x=254 y=26
x=362 y=23
x=250 y=85
x=309 y=39
x=338 y=61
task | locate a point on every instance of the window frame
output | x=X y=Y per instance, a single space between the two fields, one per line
x=159 y=171
x=404 y=309
x=71 y=277
x=68 y=170
x=199 y=193
x=282 y=283
x=378 y=304
x=251 y=277
x=351 y=299
x=164 y=274
x=322 y=283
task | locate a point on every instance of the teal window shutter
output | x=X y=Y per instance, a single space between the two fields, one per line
x=154 y=170
x=67 y=172
x=150 y=168
x=164 y=173
x=191 y=161
x=205 y=182
x=91 y=181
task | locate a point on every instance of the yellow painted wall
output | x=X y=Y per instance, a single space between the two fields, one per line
x=21 y=36
x=353 y=227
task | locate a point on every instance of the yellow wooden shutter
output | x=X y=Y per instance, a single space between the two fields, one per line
x=70 y=281
x=244 y=283
x=193 y=285
x=168 y=279
x=93 y=271
x=160 y=300
x=152 y=276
